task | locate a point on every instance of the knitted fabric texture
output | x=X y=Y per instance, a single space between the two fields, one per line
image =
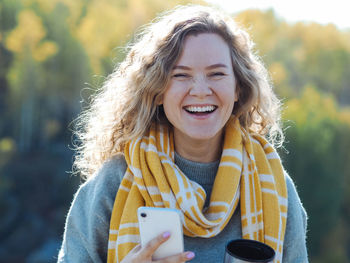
x=250 y=171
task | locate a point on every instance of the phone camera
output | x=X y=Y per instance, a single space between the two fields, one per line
x=143 y=214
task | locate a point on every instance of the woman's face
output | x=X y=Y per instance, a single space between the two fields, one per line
x=202 y=91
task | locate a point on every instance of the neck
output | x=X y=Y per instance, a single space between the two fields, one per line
x=202 y=151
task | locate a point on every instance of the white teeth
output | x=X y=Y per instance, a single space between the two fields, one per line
x=200 y=109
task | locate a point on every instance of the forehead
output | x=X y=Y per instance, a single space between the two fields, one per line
x=204 y=48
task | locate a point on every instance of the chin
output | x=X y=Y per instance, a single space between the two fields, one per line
x=203 y=135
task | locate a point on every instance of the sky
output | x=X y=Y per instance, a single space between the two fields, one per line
x=323 y=12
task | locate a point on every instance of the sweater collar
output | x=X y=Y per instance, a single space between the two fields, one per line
x=202 y=173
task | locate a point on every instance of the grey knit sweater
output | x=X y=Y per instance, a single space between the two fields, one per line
x=87 y=227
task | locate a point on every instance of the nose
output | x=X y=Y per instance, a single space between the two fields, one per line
x=200 y=88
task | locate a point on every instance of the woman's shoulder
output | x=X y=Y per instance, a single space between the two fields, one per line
x=111 y=172
x=87 y=224
x=291 y=188
x=97 y=194
x=294 y=248
x=296 y=210
x=104 y=184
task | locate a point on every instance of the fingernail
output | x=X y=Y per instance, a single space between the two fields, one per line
x=166 y=234
x=190 y=255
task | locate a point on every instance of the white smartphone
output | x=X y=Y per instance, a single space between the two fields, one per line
x=155 y=221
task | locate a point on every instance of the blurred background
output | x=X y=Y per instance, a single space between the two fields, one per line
x=54 y=54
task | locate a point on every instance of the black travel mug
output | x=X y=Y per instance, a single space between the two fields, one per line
x=245 y=250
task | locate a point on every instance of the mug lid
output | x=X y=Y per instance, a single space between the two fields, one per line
x=250 y=250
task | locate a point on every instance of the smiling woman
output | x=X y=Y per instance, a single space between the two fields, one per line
x=180 y=124
x=200 y=96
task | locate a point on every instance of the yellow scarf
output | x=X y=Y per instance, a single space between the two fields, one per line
x=250 y=172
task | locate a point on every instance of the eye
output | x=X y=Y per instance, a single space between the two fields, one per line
x=217 y=74
x=180 y=75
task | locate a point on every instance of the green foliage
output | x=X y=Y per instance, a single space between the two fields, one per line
x=309 y=54
x=318 y=156
x=8 y=11
x=49 y=50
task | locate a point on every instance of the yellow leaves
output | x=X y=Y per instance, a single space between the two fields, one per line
x=316 y=115
x=315 y=36
x=52 y=128
x=100 y=30
x=45 y=5
x=27 y=37
x=138 y=11
x=311 y=107
x=28 y=32
x=7 y=145
x=278 y=73
x=263 y=27
x=7 y=149
x=345 y=116
x=44 y=51
x=75 y=7
x=108 y=24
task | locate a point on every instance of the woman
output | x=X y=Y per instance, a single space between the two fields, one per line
x=181 y=124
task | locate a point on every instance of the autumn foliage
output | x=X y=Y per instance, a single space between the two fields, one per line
x=55 y=53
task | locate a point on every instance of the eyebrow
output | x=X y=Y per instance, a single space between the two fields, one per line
x=218 y=65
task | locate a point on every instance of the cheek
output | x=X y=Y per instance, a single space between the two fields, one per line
x=173 y=95
x=227 y=93
x=170 y=103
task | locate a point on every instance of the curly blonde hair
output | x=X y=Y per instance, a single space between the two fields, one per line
x=126 y=104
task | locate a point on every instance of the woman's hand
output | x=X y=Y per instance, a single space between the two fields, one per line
x=144 y=255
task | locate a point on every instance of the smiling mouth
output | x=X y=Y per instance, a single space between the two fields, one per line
x=200 y=109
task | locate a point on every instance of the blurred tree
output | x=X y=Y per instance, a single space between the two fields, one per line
x=67 y=72
x=27 y=45
x=326 y=59
x=8 y=11
x=307 y=54
x=50 y=49
x=318 y=142
x=264 y=27
x=101 y=35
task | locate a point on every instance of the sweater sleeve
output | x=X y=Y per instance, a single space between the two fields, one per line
x=294 y=248
x=87 y=225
